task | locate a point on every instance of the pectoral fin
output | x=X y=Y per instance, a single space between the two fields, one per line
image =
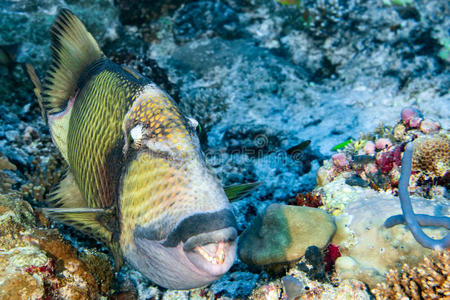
x=237 y=191
x=71 y=209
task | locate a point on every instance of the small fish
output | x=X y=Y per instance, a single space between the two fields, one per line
x=342 y=145
x=289 y=2
x=137 y=179
x=237 y=191
x=297 y=149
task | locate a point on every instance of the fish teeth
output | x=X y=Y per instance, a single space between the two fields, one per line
x=217 y=259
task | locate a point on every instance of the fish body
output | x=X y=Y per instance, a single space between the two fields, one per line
x=137 y=179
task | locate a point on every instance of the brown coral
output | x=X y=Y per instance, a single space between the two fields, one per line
x=431 y=156
x=429 y=280
x=308 y=199
x=42 y=177
x=37 y=262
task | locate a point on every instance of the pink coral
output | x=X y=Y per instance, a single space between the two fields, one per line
x=409 y=113
x=340 y=160
x=428 y=126
x=369 y=148
x=415 y=123
x=383 y=143
x=387 y=159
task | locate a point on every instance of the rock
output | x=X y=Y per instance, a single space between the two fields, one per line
x=253 y=140
x=236 y=284
x=368 y=248
x=343 y=290
x=141 y=12
x=283 y=233
x=12 y=135
x=292 y=287
x=205 y=19
x=28 y=24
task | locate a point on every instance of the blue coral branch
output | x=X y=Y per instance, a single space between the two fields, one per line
x=412 y=220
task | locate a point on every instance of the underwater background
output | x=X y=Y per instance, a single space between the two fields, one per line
x=315 y=100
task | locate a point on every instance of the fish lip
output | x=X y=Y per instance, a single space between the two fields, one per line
x=228 y=234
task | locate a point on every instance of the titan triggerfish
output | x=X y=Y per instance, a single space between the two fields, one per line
x=137 y=179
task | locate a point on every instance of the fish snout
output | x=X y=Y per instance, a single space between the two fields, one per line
x=197 y=251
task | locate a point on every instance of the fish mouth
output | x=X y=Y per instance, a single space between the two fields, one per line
x=218 y=256
x=198 y=251
x=192 y=264
x=212 y=252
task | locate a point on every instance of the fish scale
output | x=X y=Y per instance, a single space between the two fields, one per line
x=95 y=128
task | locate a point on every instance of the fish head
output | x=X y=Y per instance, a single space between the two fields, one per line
x=176 y=223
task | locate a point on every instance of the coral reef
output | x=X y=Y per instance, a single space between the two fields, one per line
x=305 y=288
x=412 y=220
x=429 y=280
x=324 y=71
x=368 y=248
x=36 y=262
x=5 y=181
x=43 y=177
x=308 y=199
x=375 y=159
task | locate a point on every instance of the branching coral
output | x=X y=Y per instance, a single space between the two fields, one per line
x=429 y=280
x=412 y=220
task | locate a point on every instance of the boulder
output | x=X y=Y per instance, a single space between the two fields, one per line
x=282 y=234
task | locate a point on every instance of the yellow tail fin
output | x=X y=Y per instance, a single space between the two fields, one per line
x=73 y=49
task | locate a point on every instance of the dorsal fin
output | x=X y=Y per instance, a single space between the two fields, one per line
x=73 y=49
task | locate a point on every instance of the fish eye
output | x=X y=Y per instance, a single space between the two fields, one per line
x=194 y=124
x=136 y=135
